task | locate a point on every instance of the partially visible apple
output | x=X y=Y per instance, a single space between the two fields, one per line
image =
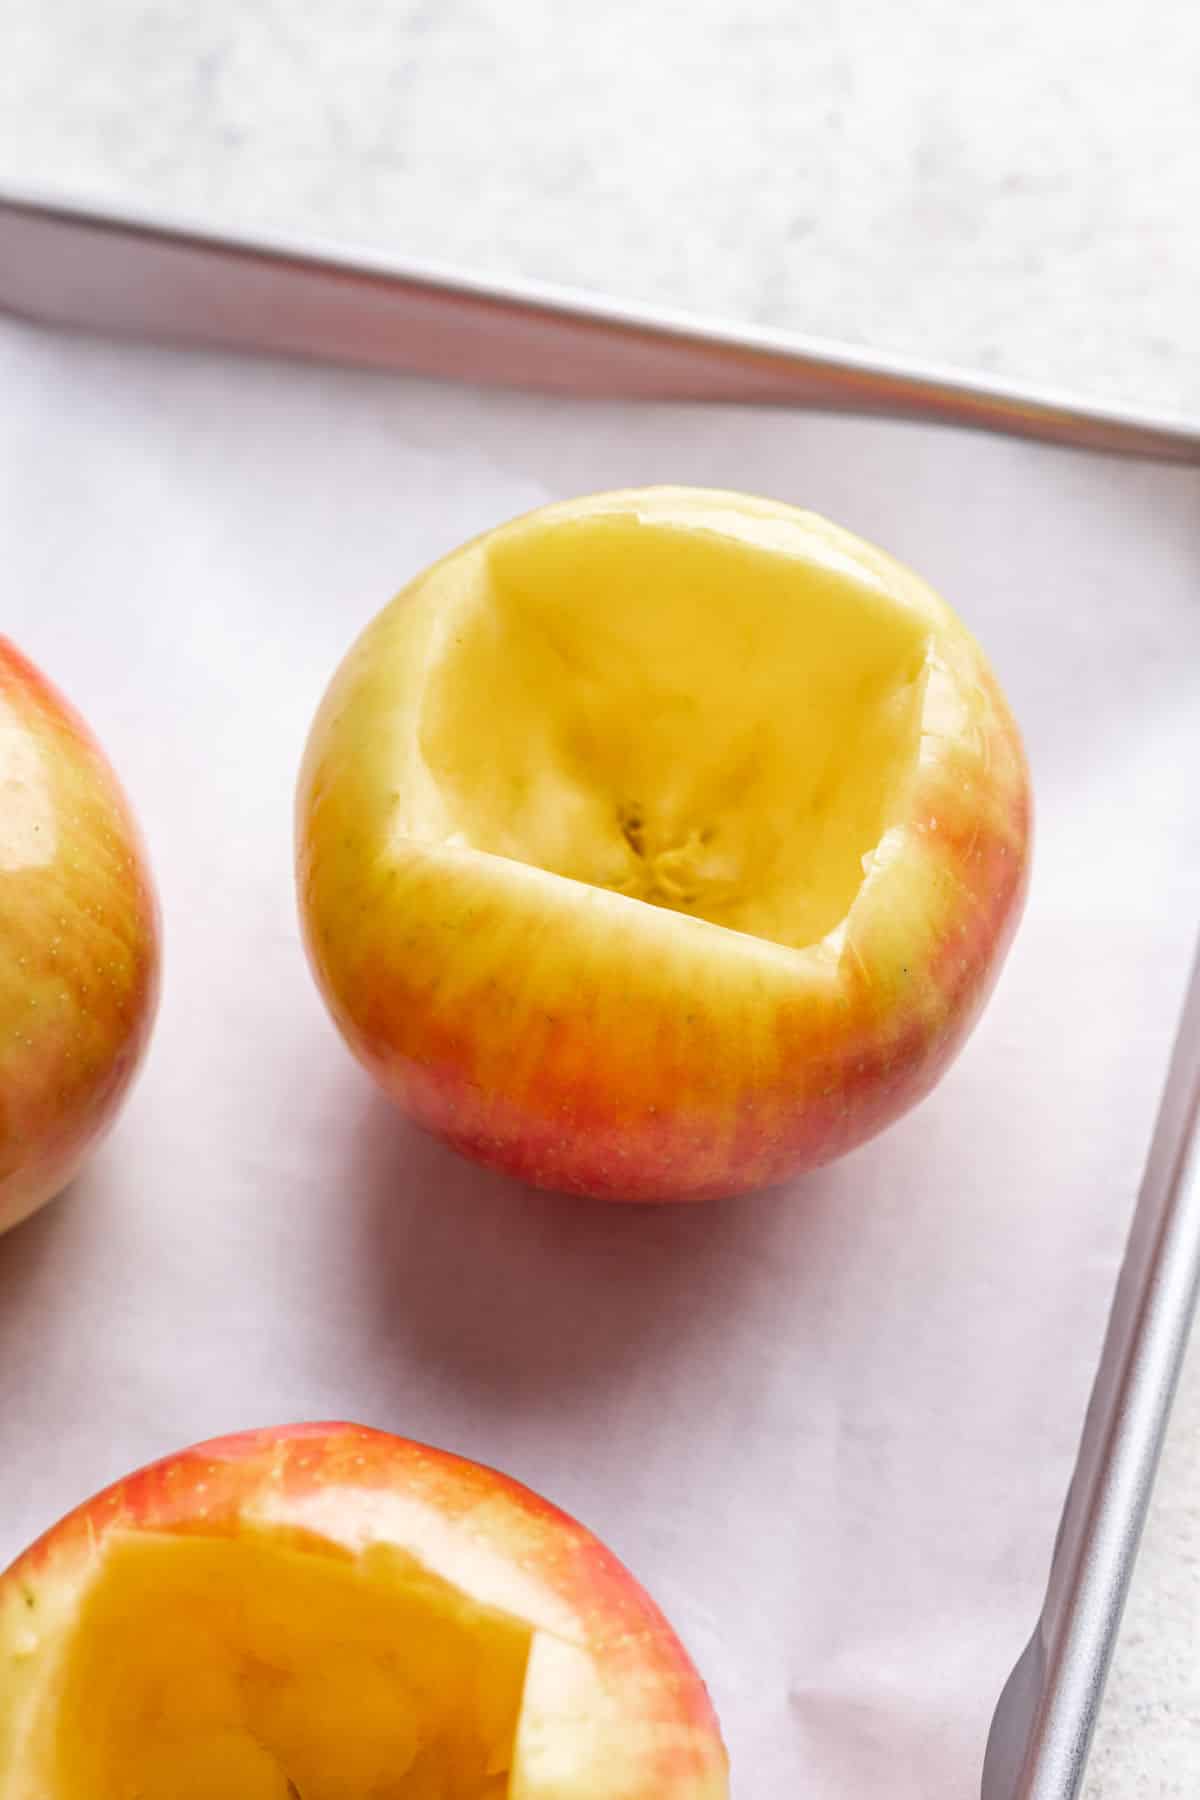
x=78 y=941
x=326 y=1612
x=661 y=844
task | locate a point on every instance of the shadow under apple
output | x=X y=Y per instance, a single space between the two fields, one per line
x=53 y=1266
x=533 y=1300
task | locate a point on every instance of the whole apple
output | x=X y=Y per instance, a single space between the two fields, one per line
x=79 y=952
x=330 y=1613
x=661 y=844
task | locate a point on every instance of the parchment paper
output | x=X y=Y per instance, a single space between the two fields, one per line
x=830 y=1427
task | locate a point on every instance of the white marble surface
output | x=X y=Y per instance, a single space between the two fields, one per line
x=1012 y=188
x=1148 y=1740
x=1008 y=187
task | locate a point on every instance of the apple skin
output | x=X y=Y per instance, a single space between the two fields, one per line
x=614 y=1709
x=653 y=1057
x=79 y=941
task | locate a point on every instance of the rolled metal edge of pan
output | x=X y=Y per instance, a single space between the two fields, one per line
x=1043 y=1725
x=72 y=263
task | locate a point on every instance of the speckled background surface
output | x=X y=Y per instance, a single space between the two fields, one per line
x=1011 y=188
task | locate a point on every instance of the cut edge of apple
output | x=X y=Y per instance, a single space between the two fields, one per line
x=174 y=1633
x=438 y=671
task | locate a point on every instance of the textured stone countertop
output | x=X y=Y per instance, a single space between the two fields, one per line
x=1011 y=188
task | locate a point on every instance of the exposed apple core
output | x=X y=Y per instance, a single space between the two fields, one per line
x=697 y=720
x=258 y=1668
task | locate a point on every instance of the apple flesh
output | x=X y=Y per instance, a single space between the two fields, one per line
x=661 y=844
x=329 y=1613
x=78 y=941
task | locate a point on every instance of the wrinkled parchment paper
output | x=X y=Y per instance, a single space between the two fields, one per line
x=831 y=1428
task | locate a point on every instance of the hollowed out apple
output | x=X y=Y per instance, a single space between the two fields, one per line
x=660 y=844
x=78 y=941
x=329 y=1613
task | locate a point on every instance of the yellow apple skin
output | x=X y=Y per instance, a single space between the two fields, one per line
x=583 y=1040
x=613 y=1708
x=79 y=956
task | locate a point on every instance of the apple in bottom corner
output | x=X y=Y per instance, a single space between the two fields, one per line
x=661 y=845
x=79 y=941
x=327 y=1612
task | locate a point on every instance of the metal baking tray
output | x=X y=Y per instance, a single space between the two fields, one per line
x=139 y=276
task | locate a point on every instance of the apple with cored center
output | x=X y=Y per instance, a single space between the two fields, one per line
x=78 y=941
x=328 y=1613
x=660 y=844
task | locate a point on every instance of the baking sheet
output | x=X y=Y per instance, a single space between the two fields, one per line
x=830 y=1427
